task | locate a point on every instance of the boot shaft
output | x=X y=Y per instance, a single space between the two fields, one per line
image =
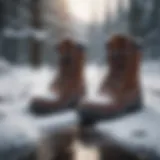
x=124 y=58
x=65 y=52
x=71 y=63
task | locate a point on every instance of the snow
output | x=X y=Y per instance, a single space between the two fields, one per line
x=21 y=83
x=25 y=33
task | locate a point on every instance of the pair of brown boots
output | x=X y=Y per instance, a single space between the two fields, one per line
x=119 y=93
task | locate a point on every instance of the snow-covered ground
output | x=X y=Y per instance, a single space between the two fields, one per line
x=20 y=83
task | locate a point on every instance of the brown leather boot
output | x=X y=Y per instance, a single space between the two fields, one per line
x=120 y=91
x=69 y=85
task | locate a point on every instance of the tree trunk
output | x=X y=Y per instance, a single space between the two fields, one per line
x=35 y=53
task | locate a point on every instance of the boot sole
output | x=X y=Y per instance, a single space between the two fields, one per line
x=89 y=116
x=43 y=110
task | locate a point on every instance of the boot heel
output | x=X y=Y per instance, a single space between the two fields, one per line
x=136 y=106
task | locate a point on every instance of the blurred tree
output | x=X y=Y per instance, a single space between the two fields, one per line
x=36 y=22
x=92 y=34
x=2 y=21
x=9 y=43
x=15 y=21
x=141 y=24
x=1 y=15
x=116 y=20
x=56 y=21
x=153 y=20
x=135 y=17
x=18 y=17
x=144 y=23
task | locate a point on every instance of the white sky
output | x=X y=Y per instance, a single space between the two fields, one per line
x=82 y=9
x=88 y=12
